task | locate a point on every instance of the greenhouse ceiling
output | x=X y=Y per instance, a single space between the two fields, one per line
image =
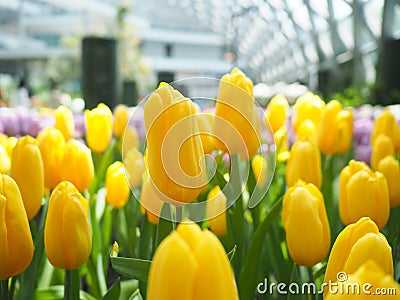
x=278 y=40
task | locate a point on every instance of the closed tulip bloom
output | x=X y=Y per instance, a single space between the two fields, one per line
x=281 y=138
x=216 y=211
x=117 y=188
x=77 y=156
x=10 y=144
x=199 y=263
x=345 y=122
x=151 y=203
x=276 y=112
x=259 y=165
x=307 y=131
x=135 y=166
x=65 y=121
x=307 y=106
x=15 y=234
x=51 y=145
x=5 y=161
x=205 y=121
x=27 y=170
x=363 y=193
x=121 y=117
x=304 y=163
x=174 y=145
x=356 y=244
x=131 y=139
x=381 y=147
x=369 y=277
x=99 y=126
x=390 y=168
x=306 y=224
x=237 y=122
x=386 y=124
x=328 y=134
x=67 y=234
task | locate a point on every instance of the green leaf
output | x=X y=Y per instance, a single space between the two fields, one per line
x=320 y=271
x=56 y=292
x=248 y=278
x=296 y=278
x=114 y=291
x=231 y=253
x=131 y=267
x=165 y=226
x=136 y=295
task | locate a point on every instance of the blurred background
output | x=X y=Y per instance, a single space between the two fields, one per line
x=117 y=51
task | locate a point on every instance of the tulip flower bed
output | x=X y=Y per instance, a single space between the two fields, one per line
x=180 y=199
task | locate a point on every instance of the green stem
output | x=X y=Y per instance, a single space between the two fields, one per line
x=311 y=296
x=71 y=285
x=4 y=289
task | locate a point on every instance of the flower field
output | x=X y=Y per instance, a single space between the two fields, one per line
x=198 y=198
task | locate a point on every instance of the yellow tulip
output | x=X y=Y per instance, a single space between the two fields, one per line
x=307 y=131
x=237 y=121
x=15 y=234
x=27 y=170
x=381 y=147
x=386 y=124
x=77 y=156
x=345 y=121
x=281 y=138
x=151 y=203
x=260 y=167
x=3 y=138
x=199 y=263
x=117 y=188
x=390 y=168
x=5 y=161
x=328 y=134
x=276 y=112
x=363 y=193
x=65 y=121
x=51 y=145
x=99 y=126
x=356 y=244
x=174 y=152
x=121 y=118
x=216 y=211
x=10 y=144
x=205 y=122
x=306 y=224
x=135 y=166
x=131 y=139
x=67 y=234
x=307 y=106
x=371 y=282
x=304 y=163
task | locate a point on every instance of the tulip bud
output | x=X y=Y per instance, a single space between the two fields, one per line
x=281 y=138
x=51 y=145
x=363 y=193
x=67 y=234
x=10 y=144
x=15 y=234
x=65 y=121
x=381 y=147
x=205 y=122
x=307 y=131
x=200 y=266
x=386 y=124
x=150 y=201
x=99 y=126
x=356 y=244
x=259 y=166
x=275 y=113
x=367 y=279
x=237 y=121
x=304 y=163
x=216 y=207
x=345 y=122
x=135 y=166
x=174 y=146
x=116 y=185
x=5 y=161
x=27 y=170
x=77 y=156
x=306 y=224
x=131 y=140
x=307 y=106
x=390 y=168
x=121 y=117
x=328 y=134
